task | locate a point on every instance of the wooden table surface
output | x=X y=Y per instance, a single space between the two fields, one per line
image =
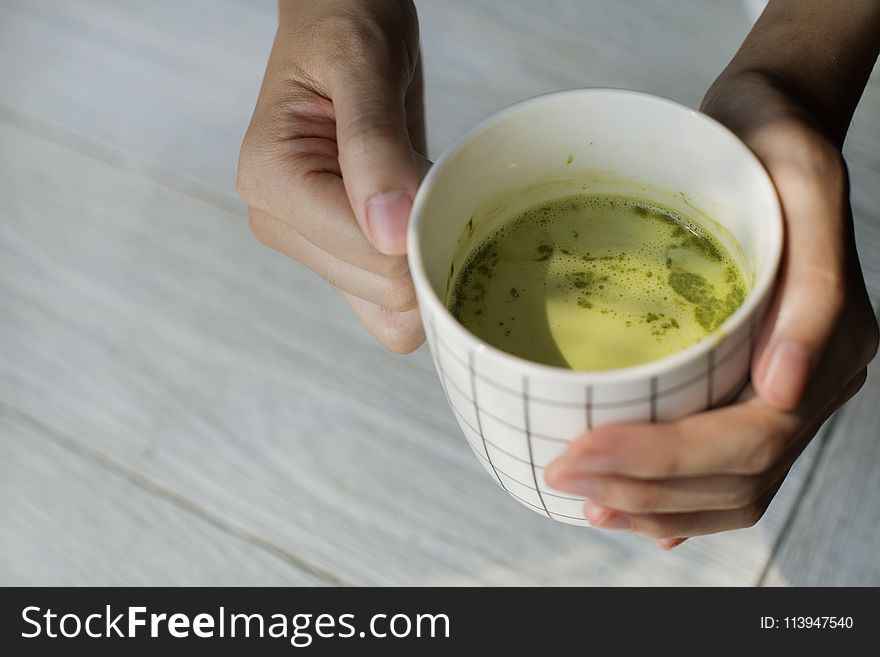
x=179 y=405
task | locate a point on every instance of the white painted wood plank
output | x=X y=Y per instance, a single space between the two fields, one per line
x=834 y=539
x=175 y=82
x=66 y=521
x=480 y=56
x=172 y=84
x=146 y=325
x=144 y=93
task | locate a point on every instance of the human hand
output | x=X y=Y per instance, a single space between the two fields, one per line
x=328 y=165
x=719 y=470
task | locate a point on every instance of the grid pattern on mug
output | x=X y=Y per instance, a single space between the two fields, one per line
x=515 y=433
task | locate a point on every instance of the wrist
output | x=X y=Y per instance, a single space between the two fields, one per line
x=765 y=112
x=742 y=98
x=816 y=54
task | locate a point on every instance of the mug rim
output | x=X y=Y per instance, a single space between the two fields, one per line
x=760 y=290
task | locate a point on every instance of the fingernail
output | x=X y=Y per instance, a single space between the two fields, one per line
x=669 y=543
x=599 y=516
x=786 y=374
x=387 y=216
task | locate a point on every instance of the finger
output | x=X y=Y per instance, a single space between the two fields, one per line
x=375 y=152
x=669 y=543
x=401 y=333
x=687 y=494
x=681 y=495
x=396 y=293
x=813 y=190
x=678 y=525
x=298 y=182
x=744 y=439
x=690 y=494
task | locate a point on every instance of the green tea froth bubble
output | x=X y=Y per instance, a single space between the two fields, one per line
x=596 y=282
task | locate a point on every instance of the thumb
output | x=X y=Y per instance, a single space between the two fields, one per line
x=376 y=157
x=812 y=288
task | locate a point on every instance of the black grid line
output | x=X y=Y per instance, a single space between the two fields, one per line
x=653 y=399
x=735 y=390
x=555 y=515
x=486 y=441
x=438 y=364
x=539 y=491
x=732 y=394
x=556 y=439
x=504 y=451
x=507 y=424
x=589 y=407
x=713 y=364
x=658 y=395
x=561 y=497
x=440 y=371
x=499 y=473
x=740 y=385
x=729 y=397
x=525 y=397
x=550 y=514
x=596 y=405
x=524 y=485
x=710 y=377
x=477 y=412
x=514 y=495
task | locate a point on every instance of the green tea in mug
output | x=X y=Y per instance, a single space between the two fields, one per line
x=596 y=282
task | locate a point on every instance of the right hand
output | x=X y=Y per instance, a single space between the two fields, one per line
x=328 y=164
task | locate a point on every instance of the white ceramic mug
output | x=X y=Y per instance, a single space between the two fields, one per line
x=518 y=415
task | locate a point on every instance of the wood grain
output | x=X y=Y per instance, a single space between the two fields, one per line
x=835 y=535
x=68 y=521
x=144 y=328
x=147 y=326
x=172 y=83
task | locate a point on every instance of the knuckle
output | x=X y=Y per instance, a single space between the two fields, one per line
x=855 y=385
x=347 y=31
x=872 y=339
x=670 y=465
x=369 y=130
x=399 y=293
x=639 y=500
x=260 y=228
x=244 y=180
x=747 y=491
x=763 y=455
x=752 y=514
x=656 y=527
x=253 y=176
x=359 y=43
x=399 y=335
x=387 y=266
x=827 y=287
x=808 y=153
x=821 y=160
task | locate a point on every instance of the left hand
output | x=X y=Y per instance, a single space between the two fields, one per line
x=719 y=470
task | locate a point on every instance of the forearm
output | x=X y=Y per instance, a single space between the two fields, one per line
x=818 y=51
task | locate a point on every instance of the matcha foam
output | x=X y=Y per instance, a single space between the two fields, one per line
x=595 y=282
